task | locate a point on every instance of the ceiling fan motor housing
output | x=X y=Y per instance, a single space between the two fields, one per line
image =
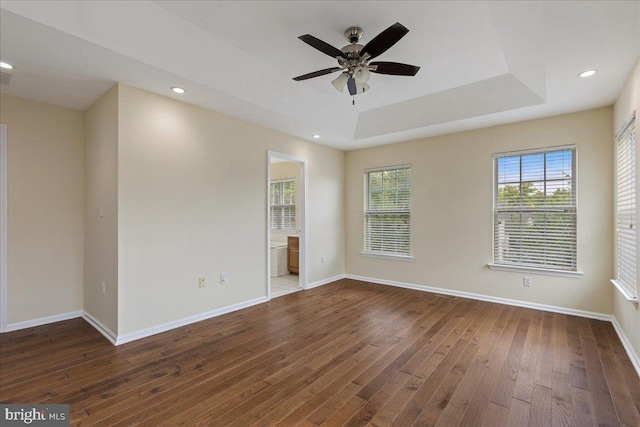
x=353 y=34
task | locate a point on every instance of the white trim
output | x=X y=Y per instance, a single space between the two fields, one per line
x=625 y=125
x=482 y=297
x=635 y=360
x=383 y=255
x=43 y=321
x=147 y=332
x=535 y=150
x=623 y=291
x=544 y=271
x=326 y=281
x=387 y=168
x=3 y=228
x=100 y=327
x=285 y=292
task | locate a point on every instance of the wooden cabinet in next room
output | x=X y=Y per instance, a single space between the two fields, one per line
x=293 y=243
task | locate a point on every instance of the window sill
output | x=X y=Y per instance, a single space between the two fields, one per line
x=633 y=300
x=387 y=256
x=534 y=270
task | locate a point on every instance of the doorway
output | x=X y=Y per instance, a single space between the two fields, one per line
x=286 y=224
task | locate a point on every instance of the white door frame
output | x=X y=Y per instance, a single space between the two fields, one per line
x=3 y=228
x=304 y=238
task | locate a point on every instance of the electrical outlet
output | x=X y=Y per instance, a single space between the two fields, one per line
x=103 y=287
x=202 y=282
x=223 y=279
x=322 y=259
x=526 y=281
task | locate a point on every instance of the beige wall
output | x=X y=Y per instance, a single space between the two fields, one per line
x=451 y=212
x=628 y=315
x=101 y=194
x=45 y=208
x=161 y=169
x=192 y=203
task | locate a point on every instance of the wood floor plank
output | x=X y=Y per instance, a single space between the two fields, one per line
x=560 y=413
x=544 y=362
x=561 y=387
x=518 y=413
x=455 y=409
x=378 y=400
x=582 y=412
x=575 y=354
x=560 y=344
x=347 y=353
x=434 y=409
x=344 y=412
x=507 y=378
x=479 y=402
x=495 y=415
x=604 y=408
x=524 y=383
x=540 y=415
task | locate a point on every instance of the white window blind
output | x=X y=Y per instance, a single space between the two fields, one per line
x=387 y=210
x=535 y=209
x=626 y=243
x=283 y=205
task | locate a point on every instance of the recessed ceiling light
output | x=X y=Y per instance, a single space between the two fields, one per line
x=178 y=90
x=6 y=65
x=587 y=73
x=316 y=136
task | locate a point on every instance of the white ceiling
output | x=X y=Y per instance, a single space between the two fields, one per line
x=482 y=63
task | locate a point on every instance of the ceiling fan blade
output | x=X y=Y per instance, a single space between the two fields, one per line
x=384 y=40
x=323 y=47
x=317 y=73
x=394 y=68
x=351 y=85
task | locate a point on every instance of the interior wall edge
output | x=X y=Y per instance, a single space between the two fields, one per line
x=326 y=281
x=100 y=327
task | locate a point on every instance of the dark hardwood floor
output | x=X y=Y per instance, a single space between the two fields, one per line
x=347 y=353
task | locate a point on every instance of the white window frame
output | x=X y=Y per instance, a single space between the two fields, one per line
x=552 y=270
x=626 y=197
x=368 y=252
x=280 y=205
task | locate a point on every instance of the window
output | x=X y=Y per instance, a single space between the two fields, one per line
x=283 y=205
x=626 y=245
x=387 y=211
x=535 y=209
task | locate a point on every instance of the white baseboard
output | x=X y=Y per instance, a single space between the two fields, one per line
x=482 y=297
x=100 y=327
x=147 y=332
x=518 y=303
x=325 y=281
x=635 y=360
x=43 y=321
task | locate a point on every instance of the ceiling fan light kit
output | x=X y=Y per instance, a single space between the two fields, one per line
x=353 y=59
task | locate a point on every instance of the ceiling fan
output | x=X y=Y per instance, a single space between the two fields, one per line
x=353 y=59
